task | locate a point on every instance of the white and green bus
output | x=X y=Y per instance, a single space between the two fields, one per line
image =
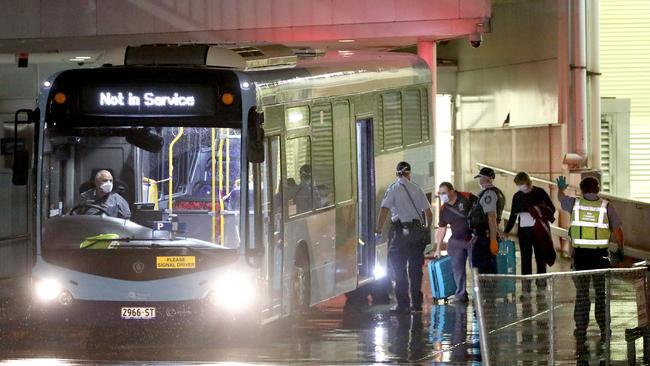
x=252 y=176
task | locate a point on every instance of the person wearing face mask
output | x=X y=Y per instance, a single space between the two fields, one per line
x=527 y=199
x=409 y=210
x=484 y=219
x=593 y=220
x=453 y=213
x=103 y=196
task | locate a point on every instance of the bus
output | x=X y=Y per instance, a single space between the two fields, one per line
x=252 y=175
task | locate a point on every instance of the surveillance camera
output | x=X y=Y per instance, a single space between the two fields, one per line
x=475 y=39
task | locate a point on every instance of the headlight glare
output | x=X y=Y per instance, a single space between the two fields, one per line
x=233 y=291
x=379 y=272
x=48 y=289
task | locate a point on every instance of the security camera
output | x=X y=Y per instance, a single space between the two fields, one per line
x=475 y=39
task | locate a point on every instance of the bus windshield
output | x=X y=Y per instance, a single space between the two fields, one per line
x=126 y=187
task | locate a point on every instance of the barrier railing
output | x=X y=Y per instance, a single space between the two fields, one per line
x=552 y=322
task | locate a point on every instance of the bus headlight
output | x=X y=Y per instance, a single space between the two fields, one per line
x=47 y=289
x=233 y=291
x=379 y=272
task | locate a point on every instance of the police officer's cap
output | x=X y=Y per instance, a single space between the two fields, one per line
x=403 y=167
x=485 y=172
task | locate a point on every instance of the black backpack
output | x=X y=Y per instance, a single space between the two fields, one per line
x=477 y=217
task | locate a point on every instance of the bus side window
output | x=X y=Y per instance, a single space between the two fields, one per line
x=323 y=155
x=343 y=152
x=424 y=103
x=299 y=185
x=412 y=119
x=392 y=113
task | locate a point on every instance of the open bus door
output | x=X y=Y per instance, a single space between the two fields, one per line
x=366 y=195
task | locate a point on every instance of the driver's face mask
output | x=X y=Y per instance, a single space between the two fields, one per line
x=107 y=187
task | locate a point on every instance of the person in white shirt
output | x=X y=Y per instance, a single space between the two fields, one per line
x=410 y=216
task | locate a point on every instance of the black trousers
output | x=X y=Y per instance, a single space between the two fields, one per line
x=406 y=258
x=482 y=258
x=527 y=243
x=588 y=259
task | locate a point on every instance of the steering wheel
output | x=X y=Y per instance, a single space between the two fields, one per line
x=88 y=205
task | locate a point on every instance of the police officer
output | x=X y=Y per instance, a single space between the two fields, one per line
x=593 y=219
x=406 y=203
x=103 y=196
x=484 y=219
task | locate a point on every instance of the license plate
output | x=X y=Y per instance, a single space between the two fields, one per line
x=138 y=313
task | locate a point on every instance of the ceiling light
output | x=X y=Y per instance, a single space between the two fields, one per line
x=346 y=40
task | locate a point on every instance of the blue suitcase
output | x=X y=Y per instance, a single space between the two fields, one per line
x=441 y=278
x=506 y=264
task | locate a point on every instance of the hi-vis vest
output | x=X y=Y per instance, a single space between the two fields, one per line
x=590 y=224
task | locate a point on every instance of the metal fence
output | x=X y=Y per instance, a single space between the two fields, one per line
x=538 y=319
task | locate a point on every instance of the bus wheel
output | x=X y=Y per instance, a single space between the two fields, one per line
x=301 y=287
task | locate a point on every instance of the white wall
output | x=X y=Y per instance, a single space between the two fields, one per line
x=513 y=72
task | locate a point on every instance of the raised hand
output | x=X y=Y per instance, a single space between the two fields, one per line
x=561 y=182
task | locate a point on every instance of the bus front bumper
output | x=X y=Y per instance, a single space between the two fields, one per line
x=83 y=312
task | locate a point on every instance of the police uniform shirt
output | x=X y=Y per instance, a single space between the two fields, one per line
x=397 y=200
x=113 y=203
x=489 y=200
x=614 y=220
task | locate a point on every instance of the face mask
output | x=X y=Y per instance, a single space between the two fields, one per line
x=523 y=187
x=106 y=187
x=444 y=198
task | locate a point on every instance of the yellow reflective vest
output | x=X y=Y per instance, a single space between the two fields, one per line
x=590 y=224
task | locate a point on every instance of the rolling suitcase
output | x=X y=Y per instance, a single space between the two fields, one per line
x=506 y=264
x=441 y=278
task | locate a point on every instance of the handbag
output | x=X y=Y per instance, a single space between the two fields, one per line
x=424 y=233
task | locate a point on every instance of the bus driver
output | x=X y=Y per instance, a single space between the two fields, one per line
x=103 y=196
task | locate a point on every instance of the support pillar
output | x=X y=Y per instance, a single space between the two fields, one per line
x=427 y=51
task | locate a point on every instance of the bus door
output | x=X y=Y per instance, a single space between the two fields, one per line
x=272 y=213
x=366 y=195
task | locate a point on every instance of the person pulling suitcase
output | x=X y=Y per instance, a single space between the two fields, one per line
x=453 y=213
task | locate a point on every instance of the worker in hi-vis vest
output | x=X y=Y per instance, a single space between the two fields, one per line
x=593 y=220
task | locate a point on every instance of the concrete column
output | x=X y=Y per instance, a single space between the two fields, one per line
x=578 y=77
x=593 y=64
x=564 y=104
x=427 y=51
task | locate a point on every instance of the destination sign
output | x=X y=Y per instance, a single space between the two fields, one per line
x=148 y=100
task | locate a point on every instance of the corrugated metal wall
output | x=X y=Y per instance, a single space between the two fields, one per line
x=625 y=58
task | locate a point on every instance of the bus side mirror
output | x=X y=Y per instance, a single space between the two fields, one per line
x=255 y=142
x=147 y=139
x=20 y=165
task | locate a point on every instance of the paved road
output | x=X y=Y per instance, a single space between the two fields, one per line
x=328 y=335
x=442 y=334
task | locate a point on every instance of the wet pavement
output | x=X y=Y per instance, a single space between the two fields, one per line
x=442 y=334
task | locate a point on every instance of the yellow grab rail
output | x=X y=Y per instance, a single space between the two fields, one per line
x=171 y=164
x=214 y=186
x=221 y=206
